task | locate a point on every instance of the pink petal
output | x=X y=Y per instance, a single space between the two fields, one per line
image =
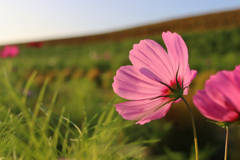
x=187 y=80
x=129 y=83
x=177 y=51
x=143 y=110
x=224 y=83
x=189 y=76
x=236 y=73
x=160 y=113
x=213 y=110
x=149 y=55
x=219 y=98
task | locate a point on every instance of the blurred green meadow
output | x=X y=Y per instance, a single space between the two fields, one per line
x=75 y=83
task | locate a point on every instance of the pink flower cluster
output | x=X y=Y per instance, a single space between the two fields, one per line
x=9 y=51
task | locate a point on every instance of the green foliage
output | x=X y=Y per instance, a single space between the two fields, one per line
x=27 y=135
x=171 y=155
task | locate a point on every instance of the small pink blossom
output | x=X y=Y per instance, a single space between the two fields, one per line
x=35 y=44
x=219 y=100
x=9 y=51
x=155 y=80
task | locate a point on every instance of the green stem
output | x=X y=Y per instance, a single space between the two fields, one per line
x=226 y=144
x=194 y=129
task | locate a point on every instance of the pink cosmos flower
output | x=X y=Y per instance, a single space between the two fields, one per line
x=9 y=51
x=156 y=79
x=219 y=101
x=35 y=44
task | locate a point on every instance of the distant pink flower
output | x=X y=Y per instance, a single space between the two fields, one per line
x=35 y=44
x=219 y=101
x=151 y=81
x=9 y=51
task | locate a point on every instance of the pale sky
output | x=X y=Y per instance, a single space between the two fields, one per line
x=31 y=20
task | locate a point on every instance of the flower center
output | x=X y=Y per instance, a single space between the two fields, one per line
x=176 y=90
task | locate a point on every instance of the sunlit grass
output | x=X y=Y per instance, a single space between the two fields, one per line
x=27 y=135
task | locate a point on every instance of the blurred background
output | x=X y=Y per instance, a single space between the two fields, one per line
x=79 y=45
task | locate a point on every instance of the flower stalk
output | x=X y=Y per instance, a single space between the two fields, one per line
x=194 y=129
x=226 y=144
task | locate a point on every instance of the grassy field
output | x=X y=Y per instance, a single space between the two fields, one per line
x=74 y=82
